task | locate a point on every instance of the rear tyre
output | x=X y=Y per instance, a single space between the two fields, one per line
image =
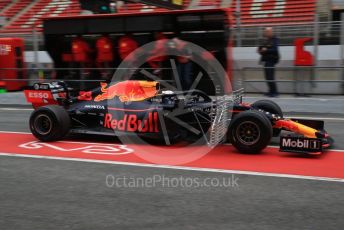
x=271 y=107
x=250 y=132
x=50 y=123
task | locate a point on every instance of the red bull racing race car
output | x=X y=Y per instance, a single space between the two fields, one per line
x=142 y=109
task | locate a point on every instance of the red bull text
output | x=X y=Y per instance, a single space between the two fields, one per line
x=130 y=123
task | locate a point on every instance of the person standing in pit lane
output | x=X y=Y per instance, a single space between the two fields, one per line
x=184 y=63
x=270 y=56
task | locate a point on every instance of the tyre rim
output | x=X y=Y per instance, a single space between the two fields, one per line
x=248 y=133
x=43 y=124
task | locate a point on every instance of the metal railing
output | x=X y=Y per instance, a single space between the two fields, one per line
x=298 y=79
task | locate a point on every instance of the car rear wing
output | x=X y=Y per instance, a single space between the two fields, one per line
x=46 y=94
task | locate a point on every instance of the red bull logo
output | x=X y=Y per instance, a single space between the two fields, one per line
x=130 y=123
x=128 y=91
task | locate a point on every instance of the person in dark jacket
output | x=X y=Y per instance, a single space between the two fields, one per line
x=269 y=58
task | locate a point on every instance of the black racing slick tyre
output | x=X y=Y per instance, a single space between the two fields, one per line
x=250 y=132
x=271 y=107
x=50 y=123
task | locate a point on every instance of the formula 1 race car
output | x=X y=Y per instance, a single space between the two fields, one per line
x=141 y=108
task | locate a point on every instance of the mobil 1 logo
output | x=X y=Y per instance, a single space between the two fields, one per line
x=300 y=144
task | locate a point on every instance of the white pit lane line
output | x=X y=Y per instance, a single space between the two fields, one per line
x=289 y=176
x=184 y=168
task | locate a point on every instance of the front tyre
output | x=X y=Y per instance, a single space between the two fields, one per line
x=271 y=107
x=50 y=123
x=250 y=132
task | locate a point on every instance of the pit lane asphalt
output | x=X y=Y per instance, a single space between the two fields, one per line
x=53 y=194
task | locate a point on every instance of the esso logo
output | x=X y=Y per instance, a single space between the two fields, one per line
x=40 y=95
